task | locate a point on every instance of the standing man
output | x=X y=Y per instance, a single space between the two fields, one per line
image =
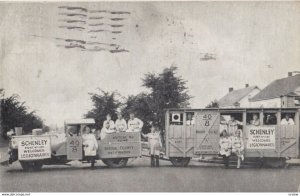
x=121 y=125
x=134 y=124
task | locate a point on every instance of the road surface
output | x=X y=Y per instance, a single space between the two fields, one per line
x=138 y=176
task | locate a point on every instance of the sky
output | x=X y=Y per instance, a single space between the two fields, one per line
x=53 y=66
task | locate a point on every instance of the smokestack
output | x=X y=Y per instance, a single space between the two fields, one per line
x=230 y=89
x=290 y=74
x=246 y=85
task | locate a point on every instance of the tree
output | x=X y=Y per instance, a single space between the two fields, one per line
x=103 y=103
x=15 y=114
x=213 y=104
x=166 y=91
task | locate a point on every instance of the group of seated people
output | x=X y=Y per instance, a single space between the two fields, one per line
x=231 y=140
x=231 y=137
x=109 y=126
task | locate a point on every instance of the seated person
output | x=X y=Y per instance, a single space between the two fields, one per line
x=106 y=130
x=72 y=131
x=238 y=147
x=90 y=145
x=225 y=147
x=255 y=120
x=134 y=124
x=120 y=124
x=287 y=120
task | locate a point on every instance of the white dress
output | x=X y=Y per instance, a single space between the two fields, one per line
x=225 y=144
x=90 y=144
x=121 y=125
x=154 y=142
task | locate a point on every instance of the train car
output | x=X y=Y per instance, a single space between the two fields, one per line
x=34 y=151
x=194 y=133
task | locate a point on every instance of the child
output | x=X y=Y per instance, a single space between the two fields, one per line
x=238 y=147
x=154 y=142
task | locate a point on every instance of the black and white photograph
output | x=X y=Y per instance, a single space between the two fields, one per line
x=149 y=96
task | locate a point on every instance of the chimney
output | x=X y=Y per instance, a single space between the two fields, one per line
x=230 y=89
x=290 y=74
x=246 y=85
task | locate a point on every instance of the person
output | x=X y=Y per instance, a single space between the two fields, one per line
x=10 y=133
x=120 y=124
x=287 y=120
x=232 y=125
x=90 y=145
x=238 y=147
x=190 y=119
x=134 y=124
x=155 y=144
x=255 y=120
x=110 y=122
x=225 y=147
x=105 y=130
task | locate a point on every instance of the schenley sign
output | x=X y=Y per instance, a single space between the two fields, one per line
x=41 y=142
x=261 y=137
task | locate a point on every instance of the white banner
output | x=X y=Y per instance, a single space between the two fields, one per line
x=34 y=148
x=261 y=137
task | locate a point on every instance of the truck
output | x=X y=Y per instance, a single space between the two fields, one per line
x=53 y=148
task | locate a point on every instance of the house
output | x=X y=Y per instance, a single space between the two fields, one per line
x=238 y=98
x=283 y=93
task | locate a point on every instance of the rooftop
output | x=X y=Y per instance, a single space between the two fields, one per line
x=235 y=96
x=278 y=88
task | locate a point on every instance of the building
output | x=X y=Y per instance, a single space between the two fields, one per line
x=283 y=93
x=238 y=98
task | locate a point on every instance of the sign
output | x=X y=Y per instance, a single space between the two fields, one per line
x=34 y=148
x=207 y=133
x=74 y=148
x=261 y=137
x=118 y=145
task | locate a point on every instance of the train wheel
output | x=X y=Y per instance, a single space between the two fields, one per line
x=31 y=165
x=180 y=161
x=115 y=163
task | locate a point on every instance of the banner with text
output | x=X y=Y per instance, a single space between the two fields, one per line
x=34 y=148
x=261 y=137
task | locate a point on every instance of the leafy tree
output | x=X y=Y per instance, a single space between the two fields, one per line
x=103 y=103
x=167 y=90
x=213 y=104
x=15 y=114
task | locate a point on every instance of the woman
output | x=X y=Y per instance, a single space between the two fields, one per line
x=238 y=147
x=120 y=124
x=225 y=146
x=155 y=144
x=255 y=120
x=90 y=145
